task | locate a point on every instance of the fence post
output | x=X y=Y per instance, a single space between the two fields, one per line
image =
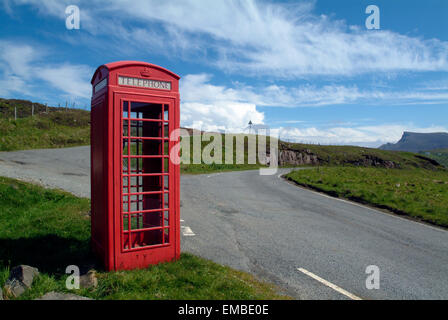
x=32 y=109
x=15 y=113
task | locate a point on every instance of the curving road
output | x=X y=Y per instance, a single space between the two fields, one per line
x=266 y=226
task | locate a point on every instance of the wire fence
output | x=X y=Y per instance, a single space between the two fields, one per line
x=17 y=109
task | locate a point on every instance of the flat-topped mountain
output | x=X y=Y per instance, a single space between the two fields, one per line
x=415 y=142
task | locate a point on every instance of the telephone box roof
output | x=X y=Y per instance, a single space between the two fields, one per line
x=121 y=64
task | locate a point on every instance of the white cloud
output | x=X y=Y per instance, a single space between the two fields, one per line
x=258 y=37
x=211 y=108
x=45 y=7
x=222 y=115
x=70 y=79
x=372 y=136
x=266 y=40
x=198 y=87
x=23 y=67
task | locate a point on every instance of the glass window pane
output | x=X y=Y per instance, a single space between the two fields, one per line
x=125 y=222
x=166 y=182
x=146 y=238
x=166 y=199
x=167 y=235
x=142 y=110
x=147 y=129
x=165 y=113
x=125 y=128
x=166 y=130
x=125 y=109
x=166 y=219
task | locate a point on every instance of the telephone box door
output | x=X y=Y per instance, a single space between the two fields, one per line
x=145 y=207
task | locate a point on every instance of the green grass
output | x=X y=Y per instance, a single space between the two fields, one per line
x=192 y=168
x=50 y=230
x=418 y=193
x=440 y=155
x=55 y=130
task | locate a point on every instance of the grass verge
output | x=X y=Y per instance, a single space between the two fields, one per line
x=418 y=193
x=50 y=230
x=56 y=130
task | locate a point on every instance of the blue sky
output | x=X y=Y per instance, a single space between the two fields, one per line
x=310 y=70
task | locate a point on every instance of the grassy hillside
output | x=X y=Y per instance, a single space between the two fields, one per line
x=204 y=168
x=419 y=193
x=48 y=128
x=50 y=230
x=55 y=130
x=441 y=156
x=65 y=128
x=363 y=157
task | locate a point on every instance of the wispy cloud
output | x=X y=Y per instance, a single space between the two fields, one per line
x=199 y=87
x=24 y=70
x=372 y=136
x=267 y=41
x=212 y=107
x=280 y=40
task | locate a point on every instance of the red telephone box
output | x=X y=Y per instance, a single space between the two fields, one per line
x=134 y=185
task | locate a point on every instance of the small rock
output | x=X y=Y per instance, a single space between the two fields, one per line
x=20 y=279
x=13 y=288
x=398 y=185
x=53 y=295
x=88 y=280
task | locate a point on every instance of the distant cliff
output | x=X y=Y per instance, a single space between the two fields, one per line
x=416 y=142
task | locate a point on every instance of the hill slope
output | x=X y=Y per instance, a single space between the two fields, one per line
x=49 y=128
x=65 y=128
x=303 y=154
x=416 y=142
x=440 y=155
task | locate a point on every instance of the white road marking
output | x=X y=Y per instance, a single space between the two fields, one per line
x=329 y=284
x=186 y=231
x=182 y=220
x=214 y=174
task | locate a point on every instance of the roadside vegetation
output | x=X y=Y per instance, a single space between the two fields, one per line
x=418 y=193
x=49 y=127
x=39 y=133
x=50 y=229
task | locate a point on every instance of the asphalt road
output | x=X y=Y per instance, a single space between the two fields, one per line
x=269 y=227
x=67 y=169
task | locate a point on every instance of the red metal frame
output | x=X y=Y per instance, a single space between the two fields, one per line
x=131 y=225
